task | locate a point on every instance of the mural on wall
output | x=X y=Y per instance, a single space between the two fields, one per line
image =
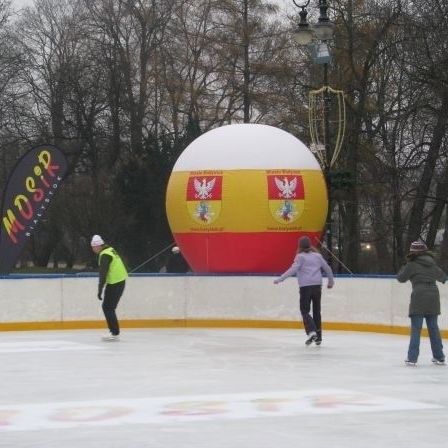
x=240 y=196
x=32 y=184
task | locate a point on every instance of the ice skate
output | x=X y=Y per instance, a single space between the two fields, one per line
x=438 y=362
x=109 y=337
x=410 y=363
x=312 y=336
x=318 y=339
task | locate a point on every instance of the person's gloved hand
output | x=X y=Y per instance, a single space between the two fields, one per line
x=99 y=296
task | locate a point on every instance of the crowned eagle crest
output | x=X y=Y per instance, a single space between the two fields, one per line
x=287 y=188
x=204 y=188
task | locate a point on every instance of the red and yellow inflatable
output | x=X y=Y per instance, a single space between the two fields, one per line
x=240 y=196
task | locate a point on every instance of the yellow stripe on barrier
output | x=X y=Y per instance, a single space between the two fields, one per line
x=208 y=323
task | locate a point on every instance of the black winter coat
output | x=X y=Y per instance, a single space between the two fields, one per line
x=423 y=273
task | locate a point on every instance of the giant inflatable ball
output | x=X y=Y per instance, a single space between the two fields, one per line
x=240 y=196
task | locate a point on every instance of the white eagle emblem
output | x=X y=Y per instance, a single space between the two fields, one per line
x=287 y=189
x=204 y=188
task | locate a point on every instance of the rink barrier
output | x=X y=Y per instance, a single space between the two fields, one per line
x=64 y=302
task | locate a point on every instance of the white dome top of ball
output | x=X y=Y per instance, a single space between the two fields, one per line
x=246 y=146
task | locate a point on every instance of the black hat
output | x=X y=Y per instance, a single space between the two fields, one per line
x=304 y=242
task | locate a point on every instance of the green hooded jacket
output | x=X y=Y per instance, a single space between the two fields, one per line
x=423 y=272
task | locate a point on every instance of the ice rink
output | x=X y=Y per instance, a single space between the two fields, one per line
x=218 y=388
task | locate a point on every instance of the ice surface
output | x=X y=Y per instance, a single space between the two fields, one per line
x=207 y=388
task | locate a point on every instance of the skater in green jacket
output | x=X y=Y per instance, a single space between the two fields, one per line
x=113 y=275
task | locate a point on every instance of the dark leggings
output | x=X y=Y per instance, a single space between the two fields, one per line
x=310 y=295
x=112 y=295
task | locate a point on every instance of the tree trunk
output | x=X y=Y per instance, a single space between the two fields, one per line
x=418 y=207
x=441 y=200
x=444 y=247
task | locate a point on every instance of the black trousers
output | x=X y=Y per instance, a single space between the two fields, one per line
x=310 y=297
x=112 y=295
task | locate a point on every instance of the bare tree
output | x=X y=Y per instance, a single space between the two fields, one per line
x=426 y=29
x=362 y=30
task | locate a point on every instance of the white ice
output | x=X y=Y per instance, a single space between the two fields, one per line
x=218 y=388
